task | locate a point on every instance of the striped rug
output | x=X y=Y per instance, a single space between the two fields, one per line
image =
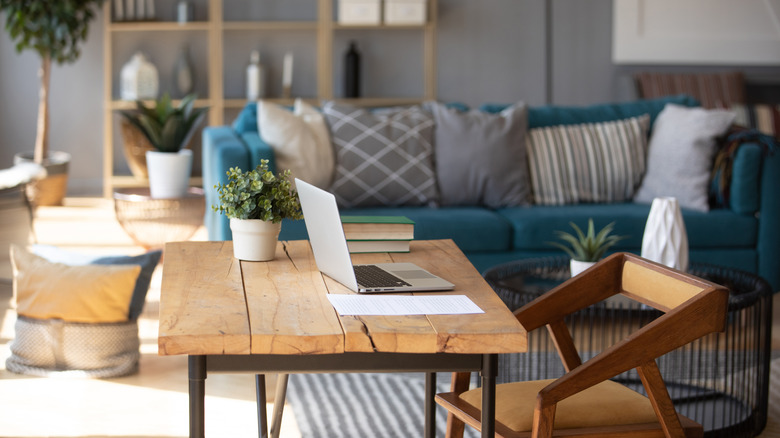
x=362 y=405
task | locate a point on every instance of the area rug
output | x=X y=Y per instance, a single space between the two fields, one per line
x=772 y=429
x=363 y=405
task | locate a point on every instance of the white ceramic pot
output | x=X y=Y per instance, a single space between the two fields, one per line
x=254 y=239
x=665 y=240
x=169 y=173
x=577 y=266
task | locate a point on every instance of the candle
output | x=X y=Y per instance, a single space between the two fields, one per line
x=287 y=71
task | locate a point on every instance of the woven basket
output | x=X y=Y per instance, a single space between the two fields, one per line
x=135 y=145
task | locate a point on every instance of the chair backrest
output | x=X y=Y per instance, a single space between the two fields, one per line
x=657 y=285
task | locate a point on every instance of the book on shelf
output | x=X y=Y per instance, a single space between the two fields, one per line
x=378 y=227
x=361 y=246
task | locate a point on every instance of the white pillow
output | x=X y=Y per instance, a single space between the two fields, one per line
x=300 y=140
x=680 y=154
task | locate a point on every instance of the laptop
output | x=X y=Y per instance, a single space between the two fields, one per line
x=329 y=245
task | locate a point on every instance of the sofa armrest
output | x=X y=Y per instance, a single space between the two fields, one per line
x=769 y=220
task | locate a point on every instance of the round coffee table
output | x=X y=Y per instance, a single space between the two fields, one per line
x=720 y=381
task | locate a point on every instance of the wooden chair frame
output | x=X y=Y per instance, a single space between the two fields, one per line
x=692 y=308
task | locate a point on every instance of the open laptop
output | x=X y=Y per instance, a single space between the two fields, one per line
x=329 y=245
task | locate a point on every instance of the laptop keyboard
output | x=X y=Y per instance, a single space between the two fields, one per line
x=374 y=276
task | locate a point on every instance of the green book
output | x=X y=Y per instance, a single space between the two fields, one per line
x=378 y=227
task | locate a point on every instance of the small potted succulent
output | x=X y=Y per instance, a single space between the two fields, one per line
x=585 y=249
x=168 y=130
x=256 y=201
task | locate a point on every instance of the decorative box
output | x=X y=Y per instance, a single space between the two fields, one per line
x=405 y=11
x=359 y=12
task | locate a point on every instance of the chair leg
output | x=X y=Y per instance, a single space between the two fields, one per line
x=659 y=397
x=455 y=426
x=279 y=398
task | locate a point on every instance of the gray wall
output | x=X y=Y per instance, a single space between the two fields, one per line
x=488 y=51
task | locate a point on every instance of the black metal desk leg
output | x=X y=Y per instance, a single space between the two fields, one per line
x=489 y=371
x=430 y=405
x=197 y=373
x=262 y=416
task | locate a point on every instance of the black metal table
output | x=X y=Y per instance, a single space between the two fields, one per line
x=720 y=381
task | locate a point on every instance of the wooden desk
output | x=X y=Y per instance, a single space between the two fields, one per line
x=265 y=317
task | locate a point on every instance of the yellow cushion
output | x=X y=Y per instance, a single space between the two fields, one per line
x=91 y=293
x=607 y=403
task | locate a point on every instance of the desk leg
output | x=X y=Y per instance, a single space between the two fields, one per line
x=489 y=371
x=262 y=417
x=430 y=405
x=197 y=374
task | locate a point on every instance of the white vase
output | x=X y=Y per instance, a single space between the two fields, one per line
x=254 y=239
x=665 y=240
x=169 y=173
x=577 y=266
x=138 y=79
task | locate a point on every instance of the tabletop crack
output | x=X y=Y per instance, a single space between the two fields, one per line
x=364 y=329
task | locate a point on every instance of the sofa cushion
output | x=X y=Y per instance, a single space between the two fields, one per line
x=680 y=155
x=300 y=140
x=481 y=157
x=592 y=162
x=571 y=115
x=247 y=119
x=534 y=227
x=382 y=159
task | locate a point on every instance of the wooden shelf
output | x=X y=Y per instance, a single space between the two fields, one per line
x=117 y=34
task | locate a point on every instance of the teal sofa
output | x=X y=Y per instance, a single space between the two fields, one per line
x=745 y=235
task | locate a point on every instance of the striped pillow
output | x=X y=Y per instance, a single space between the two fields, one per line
x=762 y=117
x=592 y=162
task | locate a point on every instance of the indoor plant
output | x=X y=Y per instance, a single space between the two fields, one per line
x=585 y=249
x=169 y=130
x=256 y=201
x=55 y=31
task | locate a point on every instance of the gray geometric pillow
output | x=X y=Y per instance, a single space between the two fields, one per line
x=382 y=159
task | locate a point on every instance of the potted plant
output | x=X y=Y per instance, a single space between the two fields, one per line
x=55 y=31
x=169 y=130
x=585 y=249
x=256 y=201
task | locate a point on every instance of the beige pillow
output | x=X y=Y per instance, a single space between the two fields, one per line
x=300 y=140
x=90 y=293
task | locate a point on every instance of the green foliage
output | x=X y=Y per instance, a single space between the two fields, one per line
x=258 y=194
x=167 y=128
x=589 y=247
x=54 y=29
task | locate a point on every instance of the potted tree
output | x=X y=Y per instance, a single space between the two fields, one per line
x=256 y=202
x=169 y=130
x=585 y=249
x=54 y=30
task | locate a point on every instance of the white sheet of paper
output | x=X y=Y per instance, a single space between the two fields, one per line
x=403 y=305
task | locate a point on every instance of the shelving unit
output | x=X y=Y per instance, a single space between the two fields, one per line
x=213 y=37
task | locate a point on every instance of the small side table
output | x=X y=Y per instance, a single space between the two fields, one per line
x=151 y=222
x=721 y=381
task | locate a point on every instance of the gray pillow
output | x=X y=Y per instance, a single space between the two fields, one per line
x=382 y=159
x=481 y=157
x=682 y=147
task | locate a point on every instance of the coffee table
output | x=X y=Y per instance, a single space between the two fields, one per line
x=274 y=317
x=720 y=381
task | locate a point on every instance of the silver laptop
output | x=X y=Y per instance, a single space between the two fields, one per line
x=329 y=245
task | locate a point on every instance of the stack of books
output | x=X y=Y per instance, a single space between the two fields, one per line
x=378 y=233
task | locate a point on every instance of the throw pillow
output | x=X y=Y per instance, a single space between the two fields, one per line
x=147 y=261
x=86 y=294
x=300 y=140
x=382 y=159
x=680 y=155
x=592 y=162
x=481 y=157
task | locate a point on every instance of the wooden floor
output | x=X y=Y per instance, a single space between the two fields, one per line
x=152 y=403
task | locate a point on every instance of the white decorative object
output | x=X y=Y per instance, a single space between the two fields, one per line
x=287 y=72
x=255 y=78
x=138 y=79
x=169 y=173
x=577 y=266
x=665 y=240
x=359 y=12
x=254 y=239
x=184 y=11
x=403 y=12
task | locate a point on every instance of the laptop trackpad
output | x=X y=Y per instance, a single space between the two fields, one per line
x=416 y=274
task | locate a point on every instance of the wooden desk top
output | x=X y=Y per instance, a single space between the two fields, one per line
x=212 y=303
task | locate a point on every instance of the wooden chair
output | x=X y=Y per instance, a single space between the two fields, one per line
x=584 y=402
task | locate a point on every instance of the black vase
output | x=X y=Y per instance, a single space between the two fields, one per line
x=352 y=72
